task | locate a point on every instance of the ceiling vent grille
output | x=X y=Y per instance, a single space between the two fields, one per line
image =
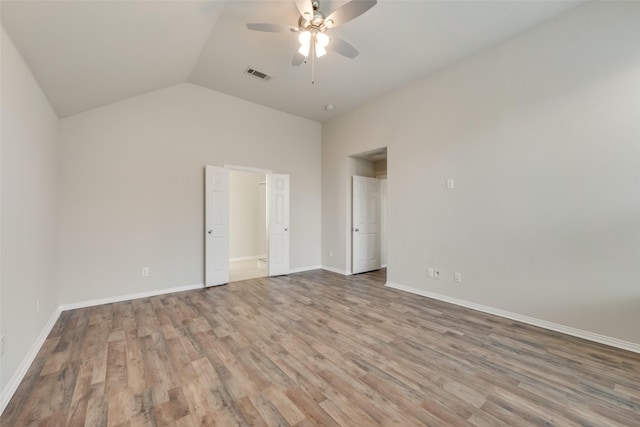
x=257 y=74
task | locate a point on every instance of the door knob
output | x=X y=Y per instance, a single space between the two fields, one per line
x=286 y=229
x=356 y=229
x=209 y=231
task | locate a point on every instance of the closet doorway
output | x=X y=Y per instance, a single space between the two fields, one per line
x=247 y=225
x=247 y=237
x=367 y=214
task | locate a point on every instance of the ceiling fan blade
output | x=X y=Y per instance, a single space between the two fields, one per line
x=348 y=11
x=271 y=28
x=298 y=59
x=305 y=8
x=343 y=48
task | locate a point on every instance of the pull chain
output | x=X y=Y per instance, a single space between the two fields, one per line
x=313 y=61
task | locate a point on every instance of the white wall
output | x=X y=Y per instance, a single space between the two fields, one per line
x=541 y=135
x=247 y=215
x=131 y=186
x=29 y=204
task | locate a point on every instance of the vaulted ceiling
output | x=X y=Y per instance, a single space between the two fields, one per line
x=86 y=54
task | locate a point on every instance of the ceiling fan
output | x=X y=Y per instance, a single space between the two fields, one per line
x=312 y=26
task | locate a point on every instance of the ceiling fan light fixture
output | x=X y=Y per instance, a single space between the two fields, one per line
x=322 y=40
x=304 y=49
x=304 y=37
x=320 y=51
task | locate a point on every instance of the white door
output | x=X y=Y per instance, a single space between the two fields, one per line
x=278 y=224
x=365 y=232
x=216 y=228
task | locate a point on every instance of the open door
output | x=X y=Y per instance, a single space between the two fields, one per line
x=278 y=224
x=365 y=232
x=216 y=246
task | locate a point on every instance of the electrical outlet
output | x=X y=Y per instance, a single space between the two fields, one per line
x=430 y=272
x=38 y=305
x=457 y=277
x=436 y=274
x=330 y=253
x=1 y=345
x=450 y=184
x=144 y=271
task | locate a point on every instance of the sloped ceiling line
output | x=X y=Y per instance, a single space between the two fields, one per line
x=86 y=54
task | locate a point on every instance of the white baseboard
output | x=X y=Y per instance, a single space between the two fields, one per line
x=590 y=336
x=335 y=270
x=301 y=269
x=247 y=258
x=7 y=392
x=109 y=300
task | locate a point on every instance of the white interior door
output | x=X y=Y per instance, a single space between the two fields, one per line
x=216 y=226
x=365 y=232
x=278 y=224
x=383 y=222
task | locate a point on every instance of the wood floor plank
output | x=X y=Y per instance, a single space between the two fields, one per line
x=315 y=414
x=77 y=411
x=249 y=413
x=317 y=349
x=97 y=406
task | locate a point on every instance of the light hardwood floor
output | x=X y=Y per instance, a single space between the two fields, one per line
x=317 y=348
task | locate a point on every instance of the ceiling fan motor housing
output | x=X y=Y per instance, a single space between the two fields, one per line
x=317 y=22
x=318 y=19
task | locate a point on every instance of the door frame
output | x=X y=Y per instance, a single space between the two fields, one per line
x=350 y=171
x=247 y=169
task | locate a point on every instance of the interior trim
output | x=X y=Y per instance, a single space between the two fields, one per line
x=128 y=297
x=590 y=336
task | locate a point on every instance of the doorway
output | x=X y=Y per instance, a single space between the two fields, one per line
x=247 y=225
x=367 y=213
x=217 y=218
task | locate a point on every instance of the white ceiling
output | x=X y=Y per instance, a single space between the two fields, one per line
x=90 y=53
